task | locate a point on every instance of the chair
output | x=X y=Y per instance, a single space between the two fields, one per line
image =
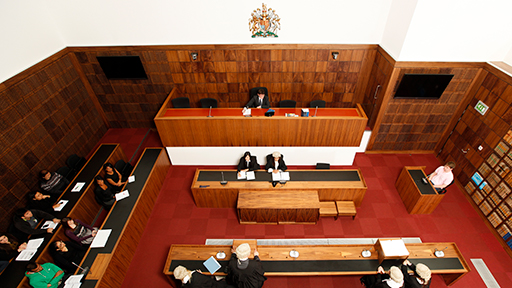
x=180 y=102
x=66 y=172
x=254 y=91
x=208 y=102
x=287 y=103
x=443 y=190
x=317 y=103
x=124 y=168
x=75 y=162
x=323 y=166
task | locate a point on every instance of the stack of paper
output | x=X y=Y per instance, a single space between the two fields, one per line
x=131 y=179
x=74 y=281
x=31 y=249
x=394 y=248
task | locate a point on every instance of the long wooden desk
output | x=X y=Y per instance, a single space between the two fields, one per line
x=127 y=219
x=316 y=260
x=332 y=185
x=285 y=207
x=81 y=206
x=418 y=198
x=228 y=127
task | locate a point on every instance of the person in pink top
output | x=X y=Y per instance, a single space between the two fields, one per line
x=443 y=176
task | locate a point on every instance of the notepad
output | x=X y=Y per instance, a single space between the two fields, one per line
x=212 y=265
x=49 y=224
x=62 y=204
x=281 y=176
x=122 y=195
x=78 y=187
x=101 y=238
x=251 y=175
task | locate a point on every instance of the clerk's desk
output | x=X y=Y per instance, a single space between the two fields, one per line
x=81 y=205
x=332 y=185
x=418 y=198
x=127 y=219
x=228 y=127
x=317 y=260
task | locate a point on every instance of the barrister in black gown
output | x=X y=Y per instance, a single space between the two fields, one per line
x=420 y=278
x=196 y=279
x=275 y=163
x=248 y=163
x=243 y=272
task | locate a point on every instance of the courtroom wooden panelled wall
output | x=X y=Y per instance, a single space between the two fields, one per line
x=299 y=72
x=46 y=116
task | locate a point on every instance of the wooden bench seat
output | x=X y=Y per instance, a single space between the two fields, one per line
x=346 y=208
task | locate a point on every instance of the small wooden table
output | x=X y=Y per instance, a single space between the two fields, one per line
x=278 y=207
x=418 y=198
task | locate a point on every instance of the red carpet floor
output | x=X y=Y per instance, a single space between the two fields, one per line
x=176 y=220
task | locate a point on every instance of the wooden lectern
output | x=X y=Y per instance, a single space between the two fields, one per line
x=391 y=249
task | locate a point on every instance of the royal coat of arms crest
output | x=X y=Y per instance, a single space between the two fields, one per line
x=264 y=22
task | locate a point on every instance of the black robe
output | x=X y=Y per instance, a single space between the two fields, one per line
x=204 y=281
x=250 y=277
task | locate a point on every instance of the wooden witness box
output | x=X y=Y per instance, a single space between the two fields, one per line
x=418 y=198
x=280 y=207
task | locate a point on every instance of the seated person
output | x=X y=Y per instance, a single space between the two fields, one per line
x=275 y=163
x=420 y=278
x=104 y=194
x=443 y=176
x=243 y=272
x=40 y=201
x=196 y=279
x=26 y=221
x=260 y=100
x=113 y=177
x=46 y=275
x=53 y=183
x=78 y=231
x=393 y=279
x=248 y=163
x=9 y=248
x=65 y=253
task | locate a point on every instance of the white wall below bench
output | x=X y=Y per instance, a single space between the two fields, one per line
x=292 y=155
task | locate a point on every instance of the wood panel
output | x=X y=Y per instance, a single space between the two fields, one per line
x=321 y=252
x=46 y=116
x=127 y=243
x=414 y=124
x=212 y=194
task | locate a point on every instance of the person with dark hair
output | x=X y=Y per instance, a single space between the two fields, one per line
x=113 y=177
x=442 y=176
x=260 y=100
x=46 y=275
x=420 y=278
x=53 y=183
x=196 y=279
x=40 y=201
x=275 y=163
x=243 y=272
x=9 y=248
x=78 y=231
x=248 y=163
x=26 y=221
x=104 y=194
x=65 y=253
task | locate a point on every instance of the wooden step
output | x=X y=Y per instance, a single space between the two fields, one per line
x=346 y=208
x=328 y=209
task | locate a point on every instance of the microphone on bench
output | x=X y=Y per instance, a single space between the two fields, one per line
x=210 y=112
x=223 y=182
x=84 y=271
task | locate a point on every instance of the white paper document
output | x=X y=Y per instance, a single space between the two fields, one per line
x=281 y=176
x=101 y=238
x=241 y=175
x=26 y=255
x=251 y=175
x=62 y=204
x=122 y=195
x=73 y=285
x=131 y=179
x=246 y=112
x=73 y=280
x=34 y=243
x=394 y=248
x=49 y=224
x=78 y=187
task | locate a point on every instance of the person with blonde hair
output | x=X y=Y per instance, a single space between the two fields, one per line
x=196 y=279
x=392 y=279
x=420 y=278
x=243 y=272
